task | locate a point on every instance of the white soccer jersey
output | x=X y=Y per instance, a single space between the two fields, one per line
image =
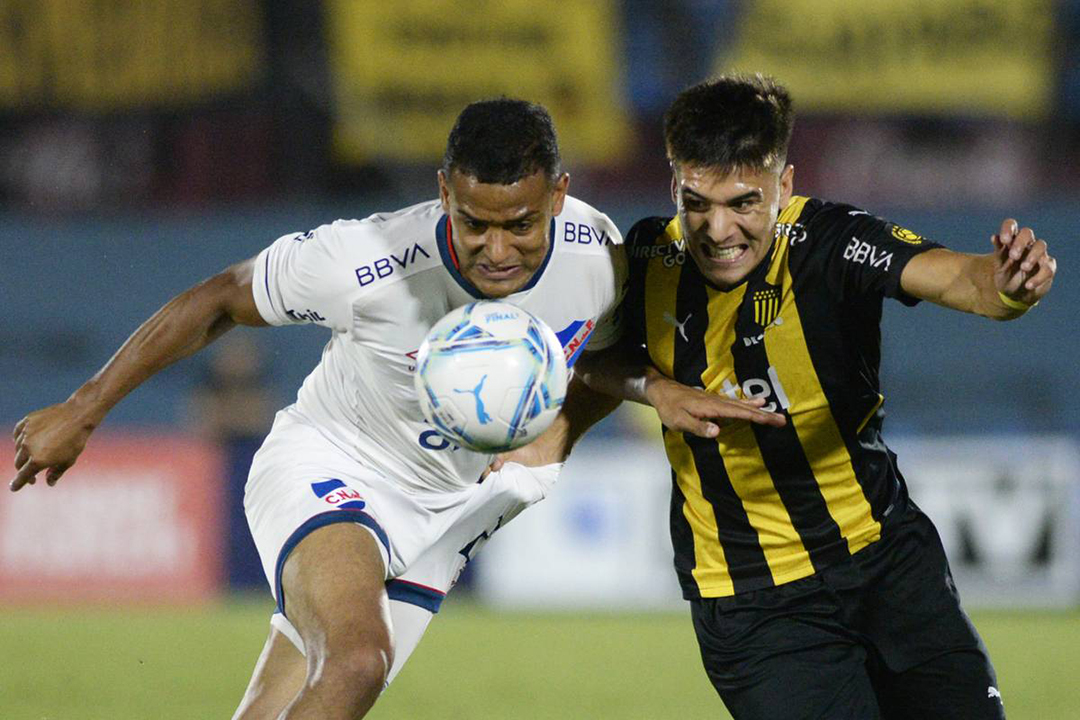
x=380 y=284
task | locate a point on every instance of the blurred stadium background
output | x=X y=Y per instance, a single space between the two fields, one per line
x=146 y=144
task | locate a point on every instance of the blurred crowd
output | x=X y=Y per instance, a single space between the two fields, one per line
x=122 y=105
x=146 y=144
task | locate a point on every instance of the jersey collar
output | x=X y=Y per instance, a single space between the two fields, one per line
x=444 y=234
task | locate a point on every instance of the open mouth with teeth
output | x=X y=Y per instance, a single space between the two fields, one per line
x=723 y=254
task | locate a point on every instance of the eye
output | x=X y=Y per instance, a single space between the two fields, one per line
x=744 y=205
x=474 y=225
x=693 y=204
x=521 y=228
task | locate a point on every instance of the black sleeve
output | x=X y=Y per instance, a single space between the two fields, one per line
x=639 y=243
x=864 y=254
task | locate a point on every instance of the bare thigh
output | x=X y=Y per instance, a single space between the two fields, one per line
x=333 y=587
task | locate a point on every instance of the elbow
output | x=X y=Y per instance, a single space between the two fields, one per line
x=585 y=367
x=593 y=366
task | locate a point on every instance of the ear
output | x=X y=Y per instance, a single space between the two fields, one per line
x=674 y=186
x=787 y=185
x=444 y=192
x=559 y=193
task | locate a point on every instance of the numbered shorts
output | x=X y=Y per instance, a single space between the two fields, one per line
x=300 y=481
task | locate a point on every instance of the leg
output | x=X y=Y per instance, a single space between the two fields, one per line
x=783 y=653
x=279 y=675
x=282 y=668
x=315 y=516
x=410 y=622
x=415 y=596
x=933 y=662
x=960 y=684
x=334 y=592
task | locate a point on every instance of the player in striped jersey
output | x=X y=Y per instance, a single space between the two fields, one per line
x=817 y=588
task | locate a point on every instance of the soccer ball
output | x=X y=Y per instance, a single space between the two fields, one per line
x=490 y=376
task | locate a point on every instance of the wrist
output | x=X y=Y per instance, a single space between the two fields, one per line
x=1013 y=304
x=89 y=408
x=651 y=385
x=555 y=443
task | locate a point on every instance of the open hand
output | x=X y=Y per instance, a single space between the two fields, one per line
x=686 y=409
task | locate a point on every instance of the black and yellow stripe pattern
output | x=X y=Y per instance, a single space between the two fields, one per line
x=761 y=506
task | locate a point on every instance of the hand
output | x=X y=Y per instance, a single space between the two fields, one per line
x=535 y=454
x=50 y=439
x=1023 y=271
x=686 y=409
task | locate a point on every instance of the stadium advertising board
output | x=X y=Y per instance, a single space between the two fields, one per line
x=903 y=56
x=108 y=56
x=403 y=71
x=136 y=519
x=1007 y=509
x=599 y=540
x=1008 y=512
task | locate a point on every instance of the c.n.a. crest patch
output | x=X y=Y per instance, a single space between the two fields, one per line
x=766 y=305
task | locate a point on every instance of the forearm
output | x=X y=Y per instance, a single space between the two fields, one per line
x=959 y=281
x=620 y=372
x=583 y=408
x=183 y=326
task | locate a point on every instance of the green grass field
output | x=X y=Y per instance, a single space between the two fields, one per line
x=474 y=664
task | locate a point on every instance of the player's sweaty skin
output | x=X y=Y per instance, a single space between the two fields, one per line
x=500 y=232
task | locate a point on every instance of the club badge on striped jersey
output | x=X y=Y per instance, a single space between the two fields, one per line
x=766 y=305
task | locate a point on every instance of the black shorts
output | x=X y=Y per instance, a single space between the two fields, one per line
x=881 y=635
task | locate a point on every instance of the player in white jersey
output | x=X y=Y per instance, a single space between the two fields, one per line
x=381 y=283
x=362 y=514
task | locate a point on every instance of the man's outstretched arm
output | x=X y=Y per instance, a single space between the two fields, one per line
x=52 y=438
x=1001 y=285
x=624 y=372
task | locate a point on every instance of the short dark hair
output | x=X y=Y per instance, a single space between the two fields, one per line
x=503 y=140
x=731 y=122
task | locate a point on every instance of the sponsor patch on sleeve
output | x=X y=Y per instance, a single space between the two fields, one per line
x=904 y=235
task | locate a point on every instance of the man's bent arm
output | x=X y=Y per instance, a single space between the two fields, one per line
x=52 y=438
x=1001 y=285
x=583 y=408
x=624 y=372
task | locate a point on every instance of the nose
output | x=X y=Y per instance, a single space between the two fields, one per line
x=497 y=246
x=720 y=224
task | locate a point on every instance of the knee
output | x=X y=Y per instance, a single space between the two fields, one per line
x=361 y=668
x=368 y=665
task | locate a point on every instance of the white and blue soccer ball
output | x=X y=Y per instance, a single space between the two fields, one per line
x=490 y=376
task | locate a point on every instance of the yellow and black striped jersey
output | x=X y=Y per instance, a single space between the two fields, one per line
x=760 y=506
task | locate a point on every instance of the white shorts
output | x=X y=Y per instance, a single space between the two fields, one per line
x=300 y=481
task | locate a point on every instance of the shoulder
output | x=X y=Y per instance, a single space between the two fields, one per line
x=653 y=236
x=822 y=217
x=582 y=227
x=351 y=254
x=859 y=253
x=816 y=223
x=386 y=231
